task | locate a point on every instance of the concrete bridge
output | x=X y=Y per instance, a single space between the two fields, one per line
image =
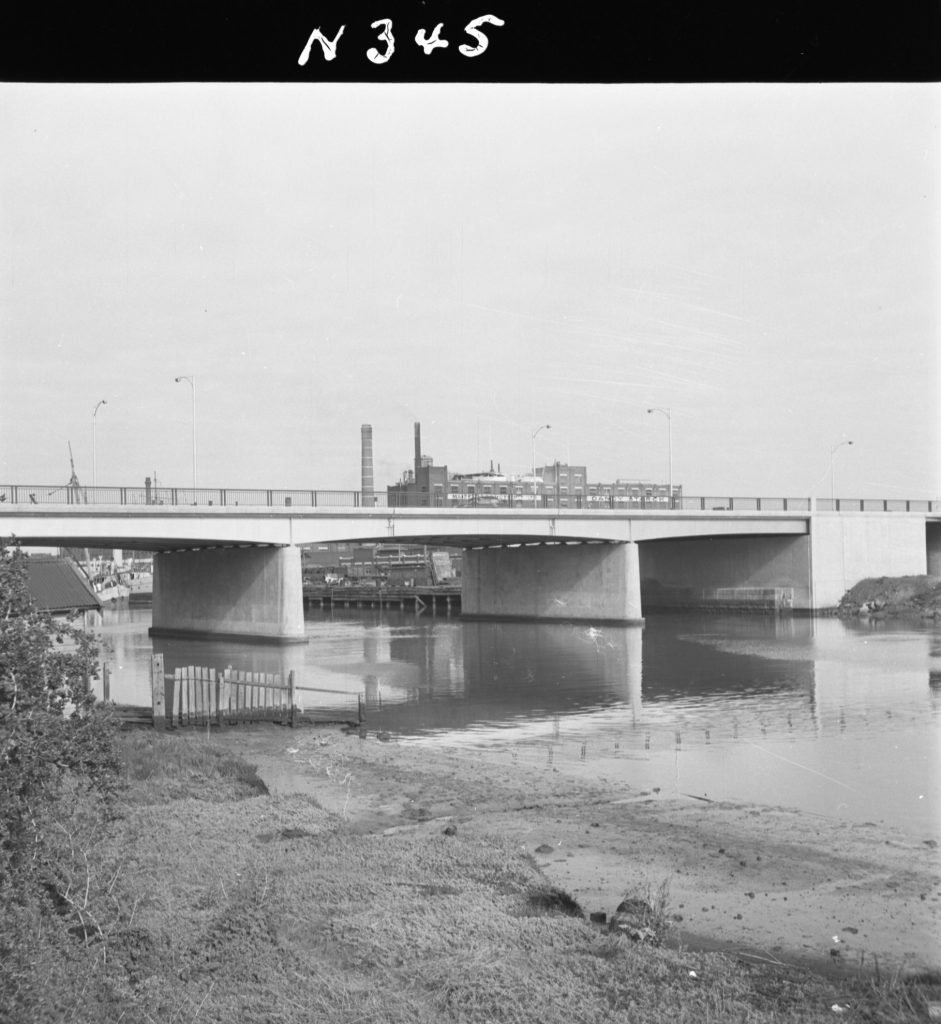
x=235 y=569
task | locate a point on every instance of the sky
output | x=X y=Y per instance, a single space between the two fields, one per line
x=761 y=260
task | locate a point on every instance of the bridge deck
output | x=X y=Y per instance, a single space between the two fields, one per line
x=165 y=528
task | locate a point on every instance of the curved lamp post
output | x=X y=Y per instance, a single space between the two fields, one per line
x=666 y=412
x=833 y=452
x=545 y=426
x=94 y=460
x=192 y=383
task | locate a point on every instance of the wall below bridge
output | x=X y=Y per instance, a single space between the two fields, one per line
x=245 y=593
x=687 y=571
x=840 y=550
x=933 y=544
x=567 y=582
x=850 y=547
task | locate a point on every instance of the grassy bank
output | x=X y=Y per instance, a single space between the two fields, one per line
x=207 y=899
x=891 y=596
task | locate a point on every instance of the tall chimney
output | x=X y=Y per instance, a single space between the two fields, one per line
x=417 y=449
x=368 y=497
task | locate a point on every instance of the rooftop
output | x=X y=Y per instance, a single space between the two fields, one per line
x=57 y=584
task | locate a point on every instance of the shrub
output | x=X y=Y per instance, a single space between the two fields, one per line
x=54 y=743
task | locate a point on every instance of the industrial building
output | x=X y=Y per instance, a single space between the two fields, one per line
x=557 y=485
x=424 y=485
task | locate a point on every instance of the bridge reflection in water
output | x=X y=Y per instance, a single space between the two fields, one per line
x=810 y=713
x=419 y=675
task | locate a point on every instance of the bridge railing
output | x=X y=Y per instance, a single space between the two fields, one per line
x=877 y=505
x=282 y=498
x=175 y=496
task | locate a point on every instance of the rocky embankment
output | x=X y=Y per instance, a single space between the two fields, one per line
x=892 y=596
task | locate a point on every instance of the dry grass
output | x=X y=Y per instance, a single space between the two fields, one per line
x=167 y=766
x=257 y=909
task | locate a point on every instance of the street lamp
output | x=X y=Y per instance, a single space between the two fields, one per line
x=833 y=451
x=545 y=426
x=192 y=383
x=94 y=461
x=666 y=412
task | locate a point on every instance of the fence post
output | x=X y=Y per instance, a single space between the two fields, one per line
x=222 y=701
x=187 y=693
x=291 y=696
x=206 y=687
x=157 y=693
x=105 y=683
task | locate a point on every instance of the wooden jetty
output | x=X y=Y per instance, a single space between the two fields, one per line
x=420 y=599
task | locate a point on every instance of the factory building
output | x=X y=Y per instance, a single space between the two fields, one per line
x=422 y=486
x=558 y=485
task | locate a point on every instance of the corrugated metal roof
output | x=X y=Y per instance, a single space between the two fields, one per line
x=58 y=585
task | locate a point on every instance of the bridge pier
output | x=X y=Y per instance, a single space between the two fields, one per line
x=237 y=593
x=593 y=582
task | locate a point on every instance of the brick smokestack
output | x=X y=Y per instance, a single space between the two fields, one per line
x=368 y=486
x=417 y=449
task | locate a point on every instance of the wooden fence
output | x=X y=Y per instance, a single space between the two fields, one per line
x=196 y=695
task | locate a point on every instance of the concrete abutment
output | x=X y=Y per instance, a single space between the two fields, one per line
x=852 y=546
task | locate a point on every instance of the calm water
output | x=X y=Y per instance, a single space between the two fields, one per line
x=838 y=719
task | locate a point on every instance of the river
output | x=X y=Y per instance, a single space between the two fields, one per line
x=838 y=719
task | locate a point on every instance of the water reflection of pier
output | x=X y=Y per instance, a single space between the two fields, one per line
x=498 y=674
x=503 y=671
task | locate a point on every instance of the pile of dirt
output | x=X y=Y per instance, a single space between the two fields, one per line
x=885 y=596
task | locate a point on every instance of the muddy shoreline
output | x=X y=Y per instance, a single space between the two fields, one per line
x=772 y=884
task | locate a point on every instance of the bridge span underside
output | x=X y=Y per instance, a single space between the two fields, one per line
x=694 y=572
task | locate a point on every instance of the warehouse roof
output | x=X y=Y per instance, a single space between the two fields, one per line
x=58 y=585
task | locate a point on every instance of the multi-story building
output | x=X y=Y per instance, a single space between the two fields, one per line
x=487 y=487
x=568 y=485
x=633 y=493
x=558 y=484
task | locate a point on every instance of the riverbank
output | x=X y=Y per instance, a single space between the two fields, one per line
x=765 y=882
x=261 y=873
